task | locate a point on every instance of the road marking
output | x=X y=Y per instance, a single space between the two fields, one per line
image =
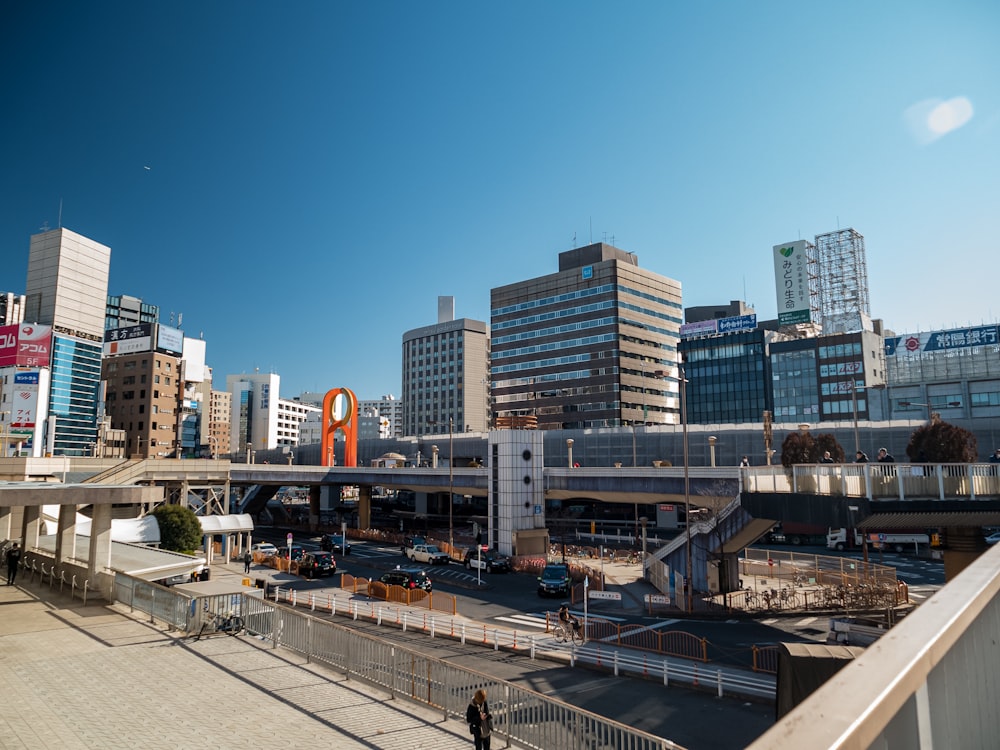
x=662 y=624
x=769 y=621
x=806 y=621
x=523 y=621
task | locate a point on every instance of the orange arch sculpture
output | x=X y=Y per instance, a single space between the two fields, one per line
x=347 y=422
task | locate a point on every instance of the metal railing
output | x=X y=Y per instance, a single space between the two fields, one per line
x=928 y=682
x=521 y=716
x=879 y=481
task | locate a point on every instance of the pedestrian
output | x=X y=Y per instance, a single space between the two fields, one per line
x=480 y=720
x=995 y=458
x=862 y=458
x=827 y=458
x=247 y=559
x=13 y=559
x=745 y=461
x=884 y=457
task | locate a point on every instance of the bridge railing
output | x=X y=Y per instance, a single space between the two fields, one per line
x=896 y=481
x=928 y=682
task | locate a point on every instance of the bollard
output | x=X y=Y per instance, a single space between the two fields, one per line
x=616 y=663
x=432 y=627
x=404 y=621
x=531 y=647
x=312 y=602
x=463 y=633
x=515 y=640
x=598 y=655
x=666 y=674
x=719 y=672
x=378 y=620
x=695 y=683
x=496 y=640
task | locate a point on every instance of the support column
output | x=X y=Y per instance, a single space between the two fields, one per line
x=66 y=534
x=965 y=544
x=7 y=522
x=100 y=543
x=31 y=526
x=314 y=506
x=364 y=506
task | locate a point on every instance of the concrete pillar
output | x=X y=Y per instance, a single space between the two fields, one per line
x=315 y=506
x=965 y=544
x=66 y=533
x=31 y=526
x=100 y=542
x=365 y=506
x=6 y=525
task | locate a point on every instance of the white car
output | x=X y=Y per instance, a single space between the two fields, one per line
x=265 y=548
x=428 y=553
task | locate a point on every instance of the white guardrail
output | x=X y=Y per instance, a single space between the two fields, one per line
x=616 y=659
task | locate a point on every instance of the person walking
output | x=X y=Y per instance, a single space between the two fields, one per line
x=13 y=560
x=827 y=458
x=480 y=720
x=745 y=461
x=862 y=458
x=247 y=559
x=884 y=457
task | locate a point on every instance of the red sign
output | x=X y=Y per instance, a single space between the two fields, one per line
x=25 y=345
x=667 y=508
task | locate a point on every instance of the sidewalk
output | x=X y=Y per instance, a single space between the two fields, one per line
x=93 y=676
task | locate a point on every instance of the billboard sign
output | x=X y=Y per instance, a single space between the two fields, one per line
x=701 y=328
x=791 y=281
x=128 y=340
x=169 y=340
x=25 y=345
x=24 y=401
x=737 y=323
x=942 y=341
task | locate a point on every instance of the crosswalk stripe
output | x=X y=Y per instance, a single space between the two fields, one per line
x=805 y=621
x=521 y=622
x=769 y=621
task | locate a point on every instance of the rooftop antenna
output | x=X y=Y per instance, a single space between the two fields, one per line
x=574 y=239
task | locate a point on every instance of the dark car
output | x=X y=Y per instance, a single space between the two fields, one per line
x=487 y=559
x=314 y=564
x=335 y=543
x=408 y=578
x=409 y=542
x=296 y=551
x=554 y=581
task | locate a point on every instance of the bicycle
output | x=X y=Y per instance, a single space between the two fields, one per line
x=565 y=631
x=230 y=624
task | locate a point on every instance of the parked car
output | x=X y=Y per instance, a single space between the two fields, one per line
x=487 y=559
x=296 y=552
x=554 y=580
x=335 y=543
x=428 y=553
x=993 y=538
x=315 y=564
x=264 y=548
x=408 y=578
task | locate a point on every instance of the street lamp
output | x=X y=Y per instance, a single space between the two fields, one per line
x=682 y=381
x=930 y=414
x=451 y=484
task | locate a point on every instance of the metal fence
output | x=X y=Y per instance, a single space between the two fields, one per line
x=522 y=716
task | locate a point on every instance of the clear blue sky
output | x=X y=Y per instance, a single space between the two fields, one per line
x=319 y=172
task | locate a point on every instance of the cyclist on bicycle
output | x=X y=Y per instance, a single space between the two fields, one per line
x=568 y=621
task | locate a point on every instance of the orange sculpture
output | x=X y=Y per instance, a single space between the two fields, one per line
x=347 y=422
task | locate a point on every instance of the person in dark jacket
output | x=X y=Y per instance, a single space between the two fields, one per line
x=862 y=458
x=884 y=457
x=480 y=720
x=13 y=560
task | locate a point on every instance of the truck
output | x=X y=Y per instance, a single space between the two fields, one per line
x=897 y=541
x=793 y=532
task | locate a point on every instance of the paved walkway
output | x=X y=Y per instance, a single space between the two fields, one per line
x=74 y=676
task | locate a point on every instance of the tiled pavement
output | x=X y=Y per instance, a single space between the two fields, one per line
x=74 y=676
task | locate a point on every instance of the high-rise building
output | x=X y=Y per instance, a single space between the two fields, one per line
x=67 y=288
x=124 y=311
x=260 y=419
x=444 y=376
x=593 y=345
x=142 y=399
x=11 y=308
x=390 y=410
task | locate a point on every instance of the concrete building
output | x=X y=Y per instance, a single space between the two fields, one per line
x=141 y=399
x=260 y=419
x=390 y=409
x=67 y=288
x=592 y=345
x=124 y=311
x=444 y=375
x=11 y=308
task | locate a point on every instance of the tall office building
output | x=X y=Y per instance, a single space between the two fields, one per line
x=67 y=288
x=444 y=375
x=593 y=345
x=11 y=308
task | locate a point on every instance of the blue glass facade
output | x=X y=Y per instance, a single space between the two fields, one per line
x=75 y=394
x=727 y=378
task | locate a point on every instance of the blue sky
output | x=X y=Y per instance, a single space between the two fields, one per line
x=320 y=172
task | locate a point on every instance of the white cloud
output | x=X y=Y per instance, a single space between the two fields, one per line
x=932 y=118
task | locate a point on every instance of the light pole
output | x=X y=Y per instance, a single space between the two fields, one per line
x=930 y=414
x=451 y=483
